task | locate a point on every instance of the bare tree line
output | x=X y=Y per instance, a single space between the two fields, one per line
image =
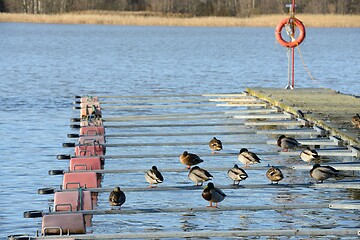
x=189 y=8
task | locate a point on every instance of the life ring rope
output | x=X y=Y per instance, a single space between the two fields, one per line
x=294 y=42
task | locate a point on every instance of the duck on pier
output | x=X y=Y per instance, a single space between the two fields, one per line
x=213 y=194
x=321 y=173
x=247 y=157
x=308 y=155
x=287 y=143
x=237 y=174
x=215 y=145
x=355 y=120
x=190 y=159
x=199 y=175
x=153 y=176
x=117 y=197
x=274 y=174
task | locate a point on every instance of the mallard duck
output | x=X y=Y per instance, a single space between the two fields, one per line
x=321 y=173
x=308 y=155
x=117 y=197
x=355 y=120
x=153 y=176
x=190 y=159
x=274 y=174
x=237 y=174
x=213 y=194
x=247 y=157
x=215 y=145
x=199 y=175
x=287 y=142
x=300 y=114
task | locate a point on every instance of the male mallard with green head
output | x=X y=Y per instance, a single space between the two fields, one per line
x=199 y=175
x=190 y=159
x=213 y=194
x=153 y=176
x=274 y=174
x=117 y=197
x=237 y=174
x=247 y=157
x=308 y=155
x=215 y=145
x=321 y=173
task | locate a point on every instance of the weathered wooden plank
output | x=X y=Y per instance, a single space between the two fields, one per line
x=345 y=205
x=195 y=209
x=263 y=116
x=224 y=234
x=200 y=188
x=339 y=184
x=297 y=131
x=275 y=123
x=353 y=166
x=169 y=134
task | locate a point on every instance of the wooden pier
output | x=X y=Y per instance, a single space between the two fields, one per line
x=159 y=128
x=324 y=107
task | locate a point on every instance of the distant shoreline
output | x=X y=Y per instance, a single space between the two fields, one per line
x=146 y=19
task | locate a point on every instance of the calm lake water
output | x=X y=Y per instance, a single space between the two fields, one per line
x=42 y=66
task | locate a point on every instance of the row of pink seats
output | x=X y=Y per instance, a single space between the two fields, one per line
x=91 y=141
x=80 y=178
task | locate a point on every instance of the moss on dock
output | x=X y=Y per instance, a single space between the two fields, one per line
x=324 y=107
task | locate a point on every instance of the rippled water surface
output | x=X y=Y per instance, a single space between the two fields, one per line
x=43 y=66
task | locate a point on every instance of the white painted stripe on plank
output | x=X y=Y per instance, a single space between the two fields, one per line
x=266 y=116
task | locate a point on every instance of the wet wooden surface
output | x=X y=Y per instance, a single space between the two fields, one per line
x=324 y=107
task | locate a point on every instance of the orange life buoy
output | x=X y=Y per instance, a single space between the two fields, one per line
x=298 y=40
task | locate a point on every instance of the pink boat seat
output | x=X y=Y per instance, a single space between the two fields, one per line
x=70 y=201
x=74 y=201
x=80 y=179
x=85 y=163
x=95 y=159
x=89 y=99
x=62 y=224
x=92 y=122
x=87 y=140
x=90 y=111
x=90 y=104
x=92 y=130
x=84 y=150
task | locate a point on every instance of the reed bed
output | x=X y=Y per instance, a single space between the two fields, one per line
x=146 y=19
